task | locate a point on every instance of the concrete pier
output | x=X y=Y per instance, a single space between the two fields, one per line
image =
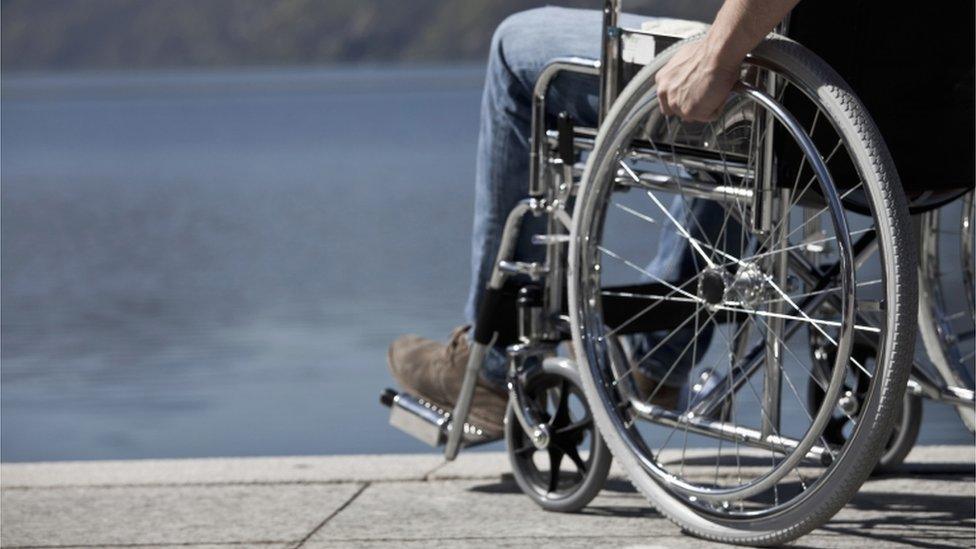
x=418 y=501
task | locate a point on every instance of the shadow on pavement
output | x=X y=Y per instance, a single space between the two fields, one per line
x=916 y=519
x=909 y=515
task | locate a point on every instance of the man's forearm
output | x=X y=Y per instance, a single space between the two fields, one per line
x=695 y=83
x=740 y=25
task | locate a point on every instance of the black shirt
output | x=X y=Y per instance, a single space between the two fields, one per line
x=912 y=66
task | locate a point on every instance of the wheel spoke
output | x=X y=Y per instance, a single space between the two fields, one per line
x=667 y=297
x=798 y=197
x=725 y=176
x=823 y=210
x=818 y=292
x=575 y=427
x=674 y=365
x=678 y=227
x=635 y=213
x=652 y=297
x=667 y=338
x=677 y=180
x=675 y=428
x=645 y=272
x=804 y=318
x=762 y=410
x=561 y=415
x=800 y=245
x=576 y=459
x=694 y=360
x=555 y=460
x=817 y=327
x=786 y=377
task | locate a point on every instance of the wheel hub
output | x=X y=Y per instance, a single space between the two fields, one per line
x=749 y=286
x=540 y=436
x=711 y=286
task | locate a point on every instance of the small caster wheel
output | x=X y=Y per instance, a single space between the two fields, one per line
x=907 y=422
x=571 y=470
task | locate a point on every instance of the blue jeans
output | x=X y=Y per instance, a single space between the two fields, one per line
x=521 y=47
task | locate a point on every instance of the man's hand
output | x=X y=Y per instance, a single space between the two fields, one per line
x=694 y=84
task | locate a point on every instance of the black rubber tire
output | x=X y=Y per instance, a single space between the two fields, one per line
x=903 y=436
x=599 y=463
x=896 y=244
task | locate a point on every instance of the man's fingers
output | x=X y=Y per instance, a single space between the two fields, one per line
x=681 y=110
x=717 y=111
x=662 y=97
x=704 y=112
x=712 y=116
x=688 y=109
x=700 y=115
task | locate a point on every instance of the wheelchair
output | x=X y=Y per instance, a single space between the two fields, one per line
x=798 y=320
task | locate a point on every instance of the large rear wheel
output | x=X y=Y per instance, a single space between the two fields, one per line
x=722 y=285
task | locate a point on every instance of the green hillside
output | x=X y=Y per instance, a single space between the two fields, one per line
x=110 y=34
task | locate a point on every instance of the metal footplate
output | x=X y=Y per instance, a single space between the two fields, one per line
x=427 y=422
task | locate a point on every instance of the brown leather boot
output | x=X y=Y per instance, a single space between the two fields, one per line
x=435 y=371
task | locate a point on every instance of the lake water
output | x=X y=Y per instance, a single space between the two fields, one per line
x=214 y=263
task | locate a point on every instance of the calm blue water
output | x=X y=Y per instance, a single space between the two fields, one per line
x=213 y=263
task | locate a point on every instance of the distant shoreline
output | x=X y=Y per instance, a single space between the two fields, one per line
x=133 y=35
x=351 y=67
x=325 y=78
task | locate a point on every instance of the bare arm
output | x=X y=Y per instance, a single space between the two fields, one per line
x=696 y=81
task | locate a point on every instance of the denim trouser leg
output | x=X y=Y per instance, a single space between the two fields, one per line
x=521 y=47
